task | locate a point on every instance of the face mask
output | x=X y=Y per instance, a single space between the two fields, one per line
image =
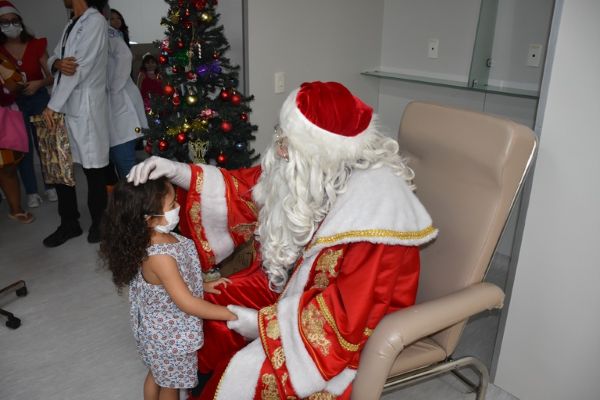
x=12 y=31
x=172 y=218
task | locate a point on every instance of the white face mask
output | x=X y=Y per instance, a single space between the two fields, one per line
x=12 y=31
x=172 y=217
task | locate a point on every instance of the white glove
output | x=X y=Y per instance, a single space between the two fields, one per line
x=246 y=323
x=155 y=167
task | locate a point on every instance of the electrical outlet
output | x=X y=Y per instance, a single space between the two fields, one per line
x=432 y=48
x=279 y=82
x=534 y=55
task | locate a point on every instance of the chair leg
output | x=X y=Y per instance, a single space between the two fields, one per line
x=20 y=289
x=442 y=368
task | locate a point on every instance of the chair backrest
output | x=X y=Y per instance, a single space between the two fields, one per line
x=469 y=167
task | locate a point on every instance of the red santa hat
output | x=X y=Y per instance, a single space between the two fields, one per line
x=6 y=7
x=328 y=116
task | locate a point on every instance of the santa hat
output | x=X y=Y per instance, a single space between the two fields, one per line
x=328 y=117
x=6 y=7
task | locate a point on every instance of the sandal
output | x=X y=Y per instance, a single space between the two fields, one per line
x=24 y=217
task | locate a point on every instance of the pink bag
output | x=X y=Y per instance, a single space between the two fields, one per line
x=13 y=134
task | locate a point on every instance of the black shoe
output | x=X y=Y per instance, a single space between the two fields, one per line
x=64 y=232
x=94 y=234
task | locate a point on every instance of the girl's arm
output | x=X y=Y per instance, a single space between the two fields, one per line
x=164 y=267
x=140 y=78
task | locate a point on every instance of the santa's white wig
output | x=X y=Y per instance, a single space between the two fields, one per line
x=326 y=133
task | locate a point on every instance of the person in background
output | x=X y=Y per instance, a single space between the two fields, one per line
x=117 y=21
x=29 y=55
x=125 y=105
x=80 y=64
x=149 y=80
x=11 y=83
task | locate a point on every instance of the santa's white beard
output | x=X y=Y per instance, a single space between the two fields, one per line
x=289 y=214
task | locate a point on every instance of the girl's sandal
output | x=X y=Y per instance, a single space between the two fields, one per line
x=24 y=217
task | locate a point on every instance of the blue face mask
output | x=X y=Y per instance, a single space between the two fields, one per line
x=172 y=217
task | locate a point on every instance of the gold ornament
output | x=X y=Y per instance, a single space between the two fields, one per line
x=186 y=127
x=138 y=129
x=197 y=151
x=204 y=123
x=174 y=17
x=191 y=100
x=205 y=17
x=172 y=131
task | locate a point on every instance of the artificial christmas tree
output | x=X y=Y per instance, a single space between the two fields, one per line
x=201 y=116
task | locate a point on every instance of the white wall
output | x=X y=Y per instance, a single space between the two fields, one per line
x=550 y=349
x=309 y=40
x=409 y=24
x=518 y=24
x=44 y=18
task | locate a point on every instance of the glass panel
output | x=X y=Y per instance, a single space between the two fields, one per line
x=481 y=61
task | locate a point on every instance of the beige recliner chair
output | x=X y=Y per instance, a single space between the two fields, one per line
x=469 y=167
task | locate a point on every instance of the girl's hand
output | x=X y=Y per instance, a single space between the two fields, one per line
x=32 y=86
x=210 y=287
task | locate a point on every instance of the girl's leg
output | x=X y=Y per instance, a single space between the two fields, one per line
x=151 y=389
x=168 y=394
x=9 y=182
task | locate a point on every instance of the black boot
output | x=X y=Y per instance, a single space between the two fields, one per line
x=94 y=233
x=67 y=230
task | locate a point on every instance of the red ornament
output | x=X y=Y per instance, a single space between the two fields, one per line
x=224 y=95
x=180 y=3
x=181 y=137
x=244 y=117
x=187 y=12
x=148 y=148
x=176 y=99
x=216 y=55
x=163 y=145
x=168 y=90
x=162 y=59
x=200 y=4
x=191 y=75
x=226 y=126
x=187 y=24
x=180 y=44
x=236 y=99
x=175 y=69
x=221 y=159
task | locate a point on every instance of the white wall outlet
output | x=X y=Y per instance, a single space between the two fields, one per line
x=279 y=82
x=432 y=48
x=534 y=55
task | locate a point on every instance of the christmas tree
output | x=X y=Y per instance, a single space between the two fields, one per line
x=201 y=116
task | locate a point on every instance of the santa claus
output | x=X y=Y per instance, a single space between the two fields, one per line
x=336 y=228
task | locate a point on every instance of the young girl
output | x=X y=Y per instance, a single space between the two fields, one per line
x=164 y=276
x=149 y=81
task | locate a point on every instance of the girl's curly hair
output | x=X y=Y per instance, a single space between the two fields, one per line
x=125 y=231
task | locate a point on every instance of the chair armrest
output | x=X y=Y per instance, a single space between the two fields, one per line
x=401 y=328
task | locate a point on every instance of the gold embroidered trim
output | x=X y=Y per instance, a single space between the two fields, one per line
x=313 y=323
x=278 y=358
x=200 y=182
x=368 y=332
x=329 y=318
x=322 y=396
x=326 y=268
x=376 y=233
x=273 y=330
x=270 y=390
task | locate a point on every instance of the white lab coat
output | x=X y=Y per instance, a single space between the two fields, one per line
x=83 y=97
x=125 y=104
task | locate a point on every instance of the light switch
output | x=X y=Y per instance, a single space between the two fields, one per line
x=432 y=48
x=279 y=82
x=534 y=55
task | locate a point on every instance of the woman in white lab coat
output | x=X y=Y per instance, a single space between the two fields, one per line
x=126 y=108
x=79 y=64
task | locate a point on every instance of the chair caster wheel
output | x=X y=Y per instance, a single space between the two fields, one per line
x=22 y=291
x=13 y=322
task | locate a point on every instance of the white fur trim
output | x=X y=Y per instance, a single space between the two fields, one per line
x=299 y=278
x=300 y=130
x=9 y=10
x=214 y=213
x=340 y=382
x=304 y=375
x=377 y=207
x=242 y=373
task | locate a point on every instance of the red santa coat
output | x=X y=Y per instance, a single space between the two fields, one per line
x=361 y=264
